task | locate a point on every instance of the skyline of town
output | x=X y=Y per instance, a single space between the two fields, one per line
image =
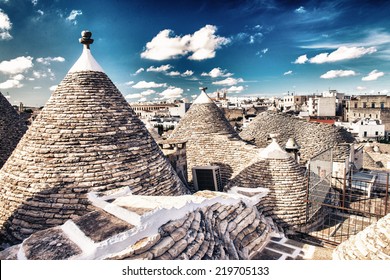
x=168 y=50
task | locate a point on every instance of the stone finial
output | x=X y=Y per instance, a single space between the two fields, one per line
x=292 y=144
x=86 y=38
x=274 y=136
x=203 y=89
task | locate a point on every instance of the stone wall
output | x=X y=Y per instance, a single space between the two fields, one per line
x=230 y=154
x=12 y=128
x=312 y=137
x=176 y=153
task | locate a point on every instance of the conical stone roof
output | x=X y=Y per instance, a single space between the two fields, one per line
x=203 y=118
x=275 y=170
x=311 y=137
x=12 y=128
x=86 y=138
x=211 y=140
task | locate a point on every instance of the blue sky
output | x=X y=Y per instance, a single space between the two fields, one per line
x=157 y=50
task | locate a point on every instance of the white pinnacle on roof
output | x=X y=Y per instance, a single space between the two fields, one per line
x=203 y=97
x=86 y=61
x=273 y=150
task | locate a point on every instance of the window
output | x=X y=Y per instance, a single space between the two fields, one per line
x=382 y=105
x=376 y=133
x=373 y=105
x=364 y=104
x=355 y=104
x=365 y=134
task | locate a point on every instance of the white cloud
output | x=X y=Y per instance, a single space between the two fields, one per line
x=144 y=84
x=360 y=88
x=129 y=83
x=171 y=92
x=140 y=70
x=39 y=74
x=338 y=73
x=373 y=75
x=288 y=73
x=229 y=81
x=250 y=37
x=49 y=60
x=18 y=77
x=44 y=74
x=148 y=92
x=162 y=68
x=133 y=96
x=143 y=99
x=201 y=45
x=11 y=84
x=217 y=72
x=73 y=15
x=301 y=59
x=300 y=10
x=204 y=43
x=36 y=88
x=174 y=73
x=163 y=46
x=53 y=88
x=342 y=53
x=5 y=26
x=17 y=65
x=187 y=73
x=235 y=89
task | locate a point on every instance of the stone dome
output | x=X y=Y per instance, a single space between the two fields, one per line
x=311 y=137
x=211 y=140
x=276 y=171
x=203 y=118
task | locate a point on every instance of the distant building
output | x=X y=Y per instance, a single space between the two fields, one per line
x=149 y=110
x=322 y=106
x=375 y=107
x=364 y=129
x=294 y=102
x=179 y=109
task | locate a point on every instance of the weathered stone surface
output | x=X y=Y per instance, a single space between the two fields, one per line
x=12 y=129
x=99 y=225
x=373 y=243
x=285 y=179
x=211 y=140
x=312 y=137
x=195 y=235
x=50 y=244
